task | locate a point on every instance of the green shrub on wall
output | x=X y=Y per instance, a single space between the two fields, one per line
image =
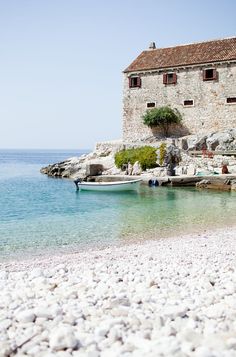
x=163 y=117
x=146 y=156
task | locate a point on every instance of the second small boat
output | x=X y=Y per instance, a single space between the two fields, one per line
x=108 y=186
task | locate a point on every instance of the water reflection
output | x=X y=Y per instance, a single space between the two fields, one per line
x=167 y=211
x=55 y=215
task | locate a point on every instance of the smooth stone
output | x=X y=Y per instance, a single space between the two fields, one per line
x=216 y=311
x=101 y=331
x=174 y=311
x=63 y=337
x=120 y=311
x=119 y=302
x=191 y=336
x=26 y=316
x=43 y=312
x=231 y=343
x=36 y=273
x=203 y=351
x=63 y=354
x=3 y=275
x=5 y=350
x=5 y=324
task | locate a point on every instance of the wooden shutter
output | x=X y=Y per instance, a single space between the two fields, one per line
x=204 y=74
x=164 y=78
x=214 y=74
x=174 y=78
x=130 y=82
x=139 y=82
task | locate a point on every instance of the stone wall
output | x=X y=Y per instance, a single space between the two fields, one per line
x=104 y=148
x=209 y=112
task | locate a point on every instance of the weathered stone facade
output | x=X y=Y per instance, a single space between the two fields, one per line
x=210 y=110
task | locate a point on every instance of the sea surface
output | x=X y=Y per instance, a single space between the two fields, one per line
x=41 y=215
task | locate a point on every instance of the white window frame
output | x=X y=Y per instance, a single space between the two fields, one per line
x=151 y=102
x=230 y=103
x=190 y=105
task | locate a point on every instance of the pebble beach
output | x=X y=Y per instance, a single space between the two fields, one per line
x=167 y=297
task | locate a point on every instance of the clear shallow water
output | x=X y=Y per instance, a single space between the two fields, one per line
x=39 y=214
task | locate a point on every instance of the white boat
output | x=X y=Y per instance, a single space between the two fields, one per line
x=108 y=186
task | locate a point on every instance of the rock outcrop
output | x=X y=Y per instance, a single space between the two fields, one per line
x=178 y=160
x=80 y=167
x=215 y=141
x=172 y=159
x=67 y=168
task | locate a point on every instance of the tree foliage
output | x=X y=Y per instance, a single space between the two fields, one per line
x=162 y=150
x=162 y=117
x=146 y=156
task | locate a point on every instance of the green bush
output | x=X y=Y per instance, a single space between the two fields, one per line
x=162 y=117
x=146 y=156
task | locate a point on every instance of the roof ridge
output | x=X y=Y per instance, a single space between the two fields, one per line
x=187 y=54
x=192 y=43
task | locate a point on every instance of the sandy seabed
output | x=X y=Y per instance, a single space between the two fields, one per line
x=166 y=297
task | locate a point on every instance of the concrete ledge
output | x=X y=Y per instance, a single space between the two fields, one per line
x=179 y=181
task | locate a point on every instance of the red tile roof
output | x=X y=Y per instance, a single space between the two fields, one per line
x=183 y=55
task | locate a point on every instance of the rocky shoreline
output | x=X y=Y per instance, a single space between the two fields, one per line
x=210 y=158
x=169 y=297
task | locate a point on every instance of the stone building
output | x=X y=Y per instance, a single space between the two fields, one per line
x=198 y=79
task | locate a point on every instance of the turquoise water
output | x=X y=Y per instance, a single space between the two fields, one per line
x=39 y=214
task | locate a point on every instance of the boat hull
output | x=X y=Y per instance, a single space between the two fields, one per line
x=109 y=186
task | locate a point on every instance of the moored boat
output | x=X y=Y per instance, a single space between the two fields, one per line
x=108 y=186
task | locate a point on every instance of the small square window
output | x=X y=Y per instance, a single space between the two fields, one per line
x=209 y=74
x=188 y=103
x=134 y=82
x=169 y=78
x=151 y=105
x=231 y=100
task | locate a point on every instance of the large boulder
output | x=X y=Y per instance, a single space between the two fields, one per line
x=172 y=159
x=214 y=141
x=94 y=169
x=172 y=155
x=65 y=168
x=80 y=167
x=225 y=140
x=194 y=142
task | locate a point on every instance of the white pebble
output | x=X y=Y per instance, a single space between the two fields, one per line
x=63 y=337
x=25 y=316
